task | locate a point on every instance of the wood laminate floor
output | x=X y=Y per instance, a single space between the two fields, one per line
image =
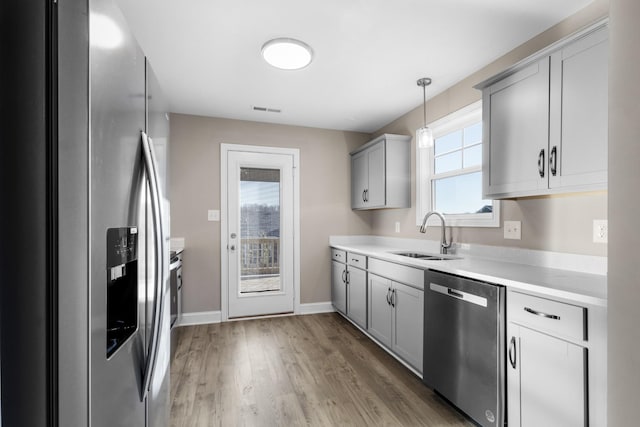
x=314 y=370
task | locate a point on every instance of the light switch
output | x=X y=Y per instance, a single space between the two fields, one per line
x=513 y=230
x=213 y=215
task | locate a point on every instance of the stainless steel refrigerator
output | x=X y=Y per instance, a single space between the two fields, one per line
x=84 y=297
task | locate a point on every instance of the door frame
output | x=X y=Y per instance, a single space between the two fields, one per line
x=224 y=221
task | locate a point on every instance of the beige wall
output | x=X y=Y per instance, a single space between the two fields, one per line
x=195 y=188
x=624 y=212
x=559 y=223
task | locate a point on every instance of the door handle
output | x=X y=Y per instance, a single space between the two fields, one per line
x=541 y=163
x=160 y=261
x=553 y=160
x=512 y=352
x=232 y=247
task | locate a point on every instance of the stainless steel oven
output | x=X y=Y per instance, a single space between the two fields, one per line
x=175 y=282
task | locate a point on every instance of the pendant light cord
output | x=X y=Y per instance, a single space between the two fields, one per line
x=424 y=82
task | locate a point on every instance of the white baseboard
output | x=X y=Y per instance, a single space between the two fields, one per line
x=200 y=318
x=316 y=307
x=206 y=317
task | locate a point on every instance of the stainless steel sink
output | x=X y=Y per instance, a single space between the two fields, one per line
x=426 y=257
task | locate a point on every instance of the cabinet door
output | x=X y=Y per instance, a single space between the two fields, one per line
x=338 y=286
x=359 y=179
x=408 y=324
x=516 y=110
x=552 y=381
x=357 y=296
x=379 y=309
x=376 y=194
x=579 y=113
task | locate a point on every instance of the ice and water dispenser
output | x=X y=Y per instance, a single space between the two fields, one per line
x=122 y=286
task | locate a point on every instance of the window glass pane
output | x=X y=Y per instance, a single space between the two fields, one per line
x=259 y=230
x=473 y=156
x=473 y=134
x=460 y=194
x=448 y=142
x=448 y=162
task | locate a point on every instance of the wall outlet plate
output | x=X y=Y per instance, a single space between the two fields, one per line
x=513 y=230
x=600 y=231
x=397 y=227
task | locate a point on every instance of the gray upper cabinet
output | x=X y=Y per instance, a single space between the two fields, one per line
x=380 y=173
x=546 y=121
x=579 y=113
x=516 y=110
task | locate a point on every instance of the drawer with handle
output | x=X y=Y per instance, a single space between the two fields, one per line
x=338 y=255
x=357 y=260
x=545 y=315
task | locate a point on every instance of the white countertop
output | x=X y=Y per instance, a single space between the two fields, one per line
x=574 y=286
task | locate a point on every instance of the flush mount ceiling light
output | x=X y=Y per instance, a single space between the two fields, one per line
x=287 y=54
x=424 y=135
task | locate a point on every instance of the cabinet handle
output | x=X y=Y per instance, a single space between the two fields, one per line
x=348 y=277
x=541 y=163
x=393 y=298
x=512 y=352
x=364 y=197
x=539 y=313
x=388 y=296
x=344 y=276
x=553 y=160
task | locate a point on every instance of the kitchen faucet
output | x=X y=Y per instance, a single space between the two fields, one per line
x=423 y=228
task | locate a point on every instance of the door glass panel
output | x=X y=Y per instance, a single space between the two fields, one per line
x=259 y=230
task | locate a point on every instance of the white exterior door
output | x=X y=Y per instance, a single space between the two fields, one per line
x=260 y=233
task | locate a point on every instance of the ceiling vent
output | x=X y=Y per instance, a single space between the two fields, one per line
x=266 y=109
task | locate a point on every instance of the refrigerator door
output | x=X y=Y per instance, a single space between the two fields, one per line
x=117 y=115
x=158 y=399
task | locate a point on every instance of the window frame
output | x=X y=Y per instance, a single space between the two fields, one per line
x=457 y=120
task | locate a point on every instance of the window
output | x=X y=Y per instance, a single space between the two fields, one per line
x=449 y=174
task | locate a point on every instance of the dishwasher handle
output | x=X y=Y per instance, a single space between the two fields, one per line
x=459 y=295
x=454 y=293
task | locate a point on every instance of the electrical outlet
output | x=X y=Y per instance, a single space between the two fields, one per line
x=213 y=215
x=600 y=231
x=513 y=230
x=397 y=227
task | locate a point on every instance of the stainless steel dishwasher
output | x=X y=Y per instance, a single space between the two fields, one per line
x=464 y=342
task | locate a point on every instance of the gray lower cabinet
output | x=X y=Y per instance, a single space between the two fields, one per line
x=339 y=286
x=349 y=285
x=547 y=363
x=357 y=296
x=546 y=379
x=396 y=318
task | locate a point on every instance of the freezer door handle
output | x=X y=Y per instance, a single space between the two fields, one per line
x=160 y=261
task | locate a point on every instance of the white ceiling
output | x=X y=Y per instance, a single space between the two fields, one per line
x=368 y=53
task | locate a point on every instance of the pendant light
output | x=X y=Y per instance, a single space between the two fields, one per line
x=424 y=136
